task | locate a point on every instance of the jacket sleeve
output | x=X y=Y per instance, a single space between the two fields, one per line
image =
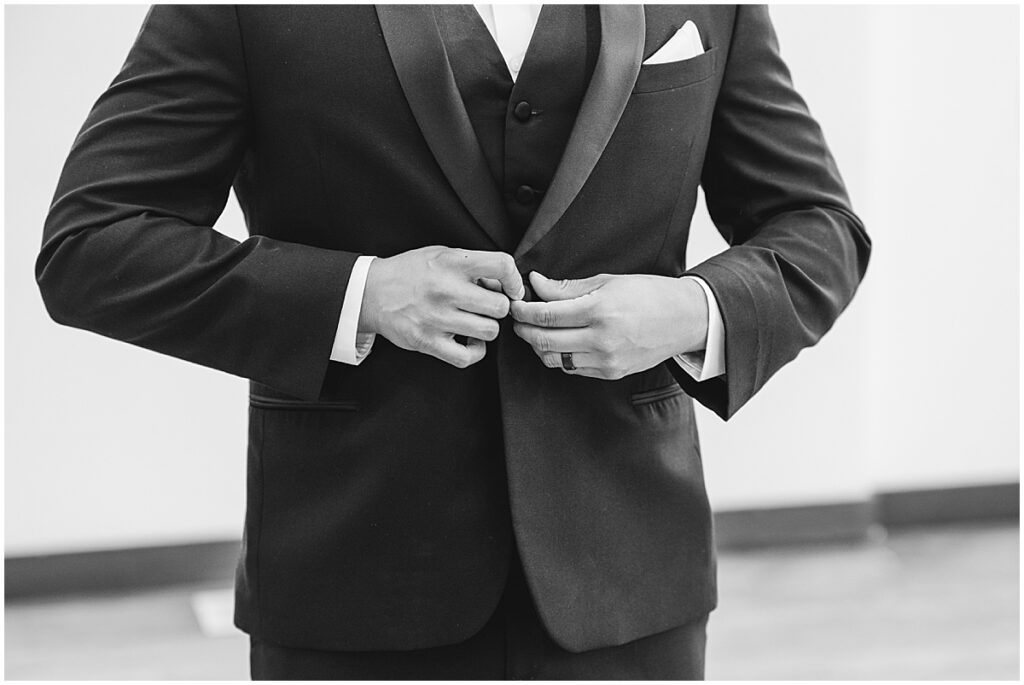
x=797 y=251
x=128 y=245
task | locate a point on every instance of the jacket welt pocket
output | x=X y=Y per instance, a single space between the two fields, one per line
x=655 y=395
x=264 y=402
x=671 y=75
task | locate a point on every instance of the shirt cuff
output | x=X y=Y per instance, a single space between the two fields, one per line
x=350 y=346
x=709 y=362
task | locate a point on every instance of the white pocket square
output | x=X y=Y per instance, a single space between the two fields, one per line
x=683 y=45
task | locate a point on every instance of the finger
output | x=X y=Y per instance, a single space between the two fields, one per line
x=458 y=355
x=568 y=289
x=574 y=313
x=477 y=300
x=469 y=325
x=556 y=339
x=589 y=372
x=495 y=265
x=489 y=283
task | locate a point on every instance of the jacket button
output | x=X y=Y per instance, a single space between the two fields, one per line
x=528 y=296
x=524 y=195
x=523 y=111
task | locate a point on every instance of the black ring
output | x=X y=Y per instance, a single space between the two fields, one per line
x=567 y=361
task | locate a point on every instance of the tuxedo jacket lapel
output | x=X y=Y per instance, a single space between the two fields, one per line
x=420 y=60
x=418 y=54
x=618 y=63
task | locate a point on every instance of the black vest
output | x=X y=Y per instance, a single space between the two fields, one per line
x=522 y=127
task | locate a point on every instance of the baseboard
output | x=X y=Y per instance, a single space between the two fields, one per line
x=839 y=522
x=994 y=502
x=214 y=562
x=79 y=573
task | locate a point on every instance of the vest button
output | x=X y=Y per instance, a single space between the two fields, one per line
x=524 y=195
x=523 y=111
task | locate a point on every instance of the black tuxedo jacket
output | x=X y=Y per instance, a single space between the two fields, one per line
x=383 y=499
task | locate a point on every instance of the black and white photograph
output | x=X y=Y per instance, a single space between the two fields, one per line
x=511 y=342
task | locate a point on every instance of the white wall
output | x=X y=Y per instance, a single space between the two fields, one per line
x=105 y=442
x=944 y=146
x=106 y=445
x=917 y=385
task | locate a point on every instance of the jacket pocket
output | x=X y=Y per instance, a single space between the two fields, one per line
x=266 y=402
x=669 y=75
x=655 y=395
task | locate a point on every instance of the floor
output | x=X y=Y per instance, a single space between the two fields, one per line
x=935 y=603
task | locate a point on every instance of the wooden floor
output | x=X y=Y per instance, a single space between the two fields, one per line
x=928 y=604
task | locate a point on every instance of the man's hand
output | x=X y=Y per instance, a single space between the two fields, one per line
x=421 y=299
x=613 y=325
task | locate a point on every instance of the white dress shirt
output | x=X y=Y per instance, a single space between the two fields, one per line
x=512 y=27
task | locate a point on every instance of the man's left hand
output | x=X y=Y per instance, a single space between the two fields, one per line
x=613 y=325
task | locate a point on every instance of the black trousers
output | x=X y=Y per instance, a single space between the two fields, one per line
x=513 y=645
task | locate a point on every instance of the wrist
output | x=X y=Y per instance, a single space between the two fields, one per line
x=369 y=311
x=694 y=317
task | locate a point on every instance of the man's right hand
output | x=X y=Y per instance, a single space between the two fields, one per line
x=421 y=299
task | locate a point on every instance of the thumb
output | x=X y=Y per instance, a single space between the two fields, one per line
x=567 y=289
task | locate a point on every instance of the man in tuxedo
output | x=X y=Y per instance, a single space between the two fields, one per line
x=463 y=308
